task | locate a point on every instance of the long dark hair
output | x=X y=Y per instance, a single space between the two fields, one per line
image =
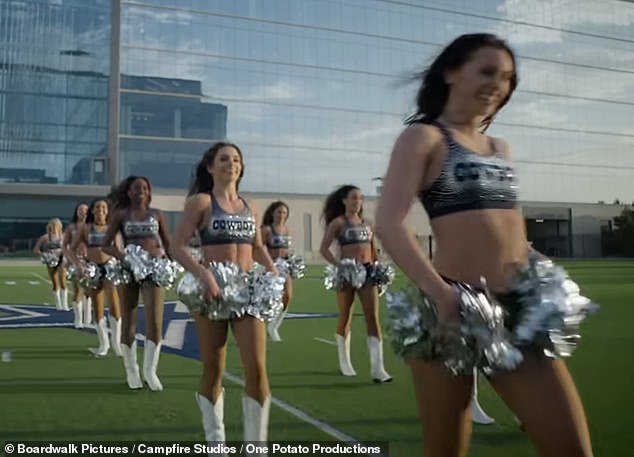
x=203 y=181
x=90 y=217
x=267 y=219
x=433 y=93
x=119 y=195
x=334 y=207
x=75 y=217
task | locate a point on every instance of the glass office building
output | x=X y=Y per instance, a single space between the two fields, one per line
x=313 y=91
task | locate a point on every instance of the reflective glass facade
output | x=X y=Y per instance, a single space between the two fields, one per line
x=54 y=66
x=314 y=91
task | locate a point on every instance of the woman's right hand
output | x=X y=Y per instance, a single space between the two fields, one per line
x=211 y=291
x=446 y=303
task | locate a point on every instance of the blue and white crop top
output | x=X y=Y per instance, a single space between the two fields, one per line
x=277 y=241
x=134 y=230
x=227 y=228
x=469 y=181
x=95 y=237
x=355 y=233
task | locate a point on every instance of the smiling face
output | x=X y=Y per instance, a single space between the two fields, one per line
x=353 y=201
x=484 y=81
x=226 y=166
x=100 y=212
x=139 y=192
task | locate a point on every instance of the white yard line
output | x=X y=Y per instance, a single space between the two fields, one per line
x=323 y=340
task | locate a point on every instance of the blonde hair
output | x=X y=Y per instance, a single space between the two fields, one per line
x=54 y=226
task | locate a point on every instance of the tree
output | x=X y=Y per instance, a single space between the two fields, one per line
x=623 y=236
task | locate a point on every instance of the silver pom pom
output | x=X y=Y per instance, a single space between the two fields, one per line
x=71 y=272
x=282 y=266
x=382 y=275
x=234 y=289
x=552 y=308
x=296 y=266
x=91 y=278
x=348 y=273
x=117 y=273
x=267 y=290
x=478 y=340
x=138 y=261
x=163 y=272
x=50 y=259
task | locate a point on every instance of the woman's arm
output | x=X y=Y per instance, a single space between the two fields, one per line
x=401 y=184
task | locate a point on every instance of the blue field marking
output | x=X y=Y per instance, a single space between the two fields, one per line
x=179 y=339
x=179 y=333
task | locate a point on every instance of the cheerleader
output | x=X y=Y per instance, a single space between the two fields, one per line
x=92 y=235
x=467 y=184
x=343 y=216
x=141 y=226
x=226 y=224
x=49 y=248
x=278 y=241
x=82 y=306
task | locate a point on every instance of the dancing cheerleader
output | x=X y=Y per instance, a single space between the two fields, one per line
x=229 y=235
x=49 y=248
x=97 y=288
x=141 y=227
x=278 y=241
x=82 y=306
x=343 y=216
x=467 y=185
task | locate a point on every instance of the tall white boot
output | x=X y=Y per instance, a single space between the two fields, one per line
x=65 y=300
x=477 y=413
x=213 y=421
x=343 y=351
x=256 y=422
x=375 y=347
x=87 y=303
x=132 y=375
x=150 y=364
x=274 y=327
x=102 y=335
x=57 y=296
x=78 y=308
x=115 y=335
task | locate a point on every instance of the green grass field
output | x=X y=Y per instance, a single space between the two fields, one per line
x=54 y=390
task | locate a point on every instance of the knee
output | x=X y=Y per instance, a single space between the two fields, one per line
x=256 y=374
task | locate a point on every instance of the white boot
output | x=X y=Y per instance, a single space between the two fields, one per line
x=87 y=303
x=274 y=327
x=78 y=308
x=375 y=347
x=57 y=296
x=343 y=351
x=115 y=335
x=132 y=375
x=256 y=422
x=213 y=421
x=477 y=413
x=150 y=364
x=102 y=334
x=65 y=300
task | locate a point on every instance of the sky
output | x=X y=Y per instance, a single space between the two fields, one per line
x=317 y=90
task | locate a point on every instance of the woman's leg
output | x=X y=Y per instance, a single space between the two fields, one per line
x=369 y=297
x=153 y=304
x=345 y=300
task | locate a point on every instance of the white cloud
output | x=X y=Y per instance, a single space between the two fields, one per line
x=563 y=14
